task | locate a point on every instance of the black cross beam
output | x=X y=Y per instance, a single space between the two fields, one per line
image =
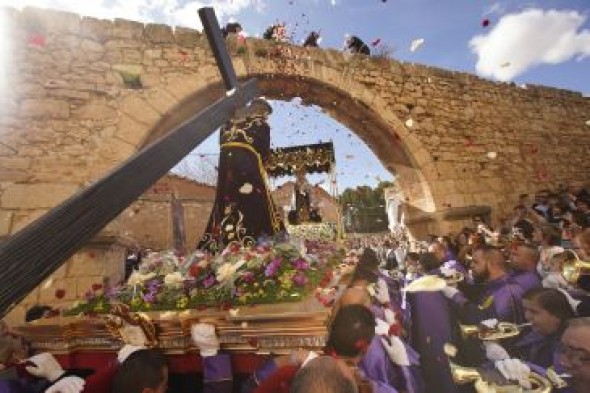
x=30 y=256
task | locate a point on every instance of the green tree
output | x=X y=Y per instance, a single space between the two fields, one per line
x=363 y=208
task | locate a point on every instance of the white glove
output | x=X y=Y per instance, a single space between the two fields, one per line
x=127 y=350
x=45 y=366
x=396 y=350
x=489 y=323
x=204 y=337
x=514 y=370
x=69 y=384
x=495 y=351
x=389 y=316
x=382 y=292
x=447 y=271
x=573 y=302
x=449 y=292
x=381 y=327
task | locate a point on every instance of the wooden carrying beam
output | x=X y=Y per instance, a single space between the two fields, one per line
x=31 y=255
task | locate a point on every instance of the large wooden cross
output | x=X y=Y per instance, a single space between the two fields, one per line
x=31 y=255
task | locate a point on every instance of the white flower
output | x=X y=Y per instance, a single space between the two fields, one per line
x=246 y=188
x=173 y=278
x=138 y=278
x=225 y=272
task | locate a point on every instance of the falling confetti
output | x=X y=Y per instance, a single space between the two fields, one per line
x=504 y=65
x=376 y=42
x=492 y=155
x=410 y=123
x=485 y=22
x=246 y=188
x=416 y=44
x=36 y=40
x=588 y=123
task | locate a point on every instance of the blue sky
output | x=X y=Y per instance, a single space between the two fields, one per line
x=543 y=42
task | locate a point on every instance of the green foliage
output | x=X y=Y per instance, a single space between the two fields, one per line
x=364 y=208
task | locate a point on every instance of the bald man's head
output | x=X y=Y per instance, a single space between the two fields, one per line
x=525 y=257
x=355 y=296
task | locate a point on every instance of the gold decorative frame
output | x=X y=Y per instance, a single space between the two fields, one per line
x=131 y=328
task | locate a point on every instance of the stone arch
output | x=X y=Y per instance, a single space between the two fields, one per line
x=390 y=140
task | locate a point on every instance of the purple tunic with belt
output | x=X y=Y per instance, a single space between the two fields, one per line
x=500 y=299
x=377 y=367
x=432 y=328
x=526 y=279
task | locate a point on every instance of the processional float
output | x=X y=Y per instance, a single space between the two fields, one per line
x=33 y=254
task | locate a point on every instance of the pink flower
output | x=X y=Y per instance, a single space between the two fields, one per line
x=300 y=279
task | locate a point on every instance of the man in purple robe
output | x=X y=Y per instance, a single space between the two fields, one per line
x=500 y=296
x=524 y=258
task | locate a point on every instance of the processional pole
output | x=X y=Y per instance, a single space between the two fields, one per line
x=34 y=253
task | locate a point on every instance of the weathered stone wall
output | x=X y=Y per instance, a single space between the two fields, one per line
x=148 y=221
x=327 y=206
x=84 y=94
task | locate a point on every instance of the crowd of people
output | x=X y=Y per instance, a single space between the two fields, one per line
x=278 y=32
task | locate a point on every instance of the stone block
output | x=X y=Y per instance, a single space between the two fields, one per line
x=84 y=284
x=45 y=108
x=161 y=100
x=16 y=316
x=157 y=33
x=36 y=196
x=131 y=131
x=96 y=29
x=95 y=111
x=91 y=46
x=86 y=263
x=139 y=109
x=50 y=20
x=187 y=37
x=18 y=163
x=48 y=290
x=123 y=28
x=5 y=222
x=22 y=219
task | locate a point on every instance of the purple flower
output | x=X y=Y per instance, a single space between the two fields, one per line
x=248 y=277
x=300 y=264
x=300 y=279
x=272 y=268
x=149 y=297
x=111 y=293
x=209 y=281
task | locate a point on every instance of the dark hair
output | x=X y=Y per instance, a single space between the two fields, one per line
x=552 y=301
x=322 y=375
x=142 y=369
x=414 y=256
x=36 y=312
x=428 y=261
x=363 y=273
x=351 y=331
x=550 y=235
x=526 y=228
x=369 y=259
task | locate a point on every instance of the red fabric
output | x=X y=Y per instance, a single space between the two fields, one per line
x=185 y=363
x=279 y=382
x=101 y=381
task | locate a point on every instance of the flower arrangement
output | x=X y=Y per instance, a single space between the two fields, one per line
x=318 y=231
x=265 y=273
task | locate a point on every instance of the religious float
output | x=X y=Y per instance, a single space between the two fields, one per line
x=268 y=298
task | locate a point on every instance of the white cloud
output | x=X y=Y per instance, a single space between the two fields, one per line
x=528 y=39
x=171 y=12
